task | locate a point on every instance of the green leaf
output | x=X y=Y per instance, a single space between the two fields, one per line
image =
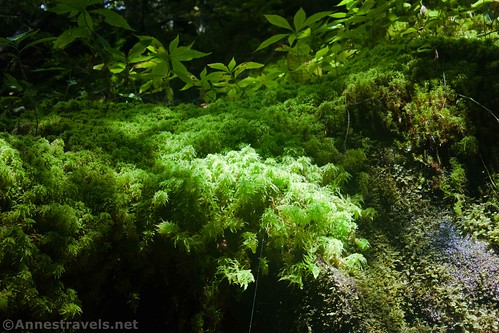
x=78 y=5
x=299 y=19
x=185 y=53
x=252 y=65
x=113 y=18
x=232 y=64
x=85 y=21
x=219 y=66
x=278 y=21
x=181 y=71
x=271 y=40
x=408 y=31
x=145 y=87
x=425 y=48
x=138 y=49
x=6 y=41
x=173 y=44
x=38 y=41
x=304 y=34
x=339 y=15
x=48 y=69
x=22 y=36
x=140 y=58
x=316 y=17
x=246 y=65
x=162 y=69
x=69 y=36
x=187 y=85
x=203 y=73
x=12 y=81
x=480 y=3
x=215 y=76
x=62 y=8
x=322 y=52
x=345 y=3
x=117 y=67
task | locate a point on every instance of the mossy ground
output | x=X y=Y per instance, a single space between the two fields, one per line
x=84 y=191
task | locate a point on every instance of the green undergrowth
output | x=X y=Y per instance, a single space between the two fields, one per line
x=423 y=274
x=110 y=190
x=126 y=206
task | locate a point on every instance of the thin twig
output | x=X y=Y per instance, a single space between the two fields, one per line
x=256 y=285
x=346 y=133
x=490 y=111
x=487 y=170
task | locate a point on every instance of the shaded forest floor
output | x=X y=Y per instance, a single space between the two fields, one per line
x=397 y=136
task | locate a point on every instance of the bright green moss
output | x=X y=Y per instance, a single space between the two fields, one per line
x=143 y=194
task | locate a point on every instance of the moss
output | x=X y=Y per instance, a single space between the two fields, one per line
x=173 y=201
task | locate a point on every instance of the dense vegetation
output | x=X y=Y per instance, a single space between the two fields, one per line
x=346 y=182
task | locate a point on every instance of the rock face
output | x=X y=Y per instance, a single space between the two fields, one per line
x=423 y=274
x=468 y=262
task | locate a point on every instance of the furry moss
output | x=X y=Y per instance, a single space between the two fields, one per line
x=82 y=196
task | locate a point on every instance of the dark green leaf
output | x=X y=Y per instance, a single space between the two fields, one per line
x=215 y=76
x=85 y=21
x=185 y=53
x=117 y=67
x=113 y=18
x=322 y=52
x=180 y=70
x=246 y=65
x=219 y=66
x=173 y=44
x=78 y=5
x=140 y=58
x=62 y=9
x=38 y=41
x=138 y=49
x=252 y=65
x=278 y=21
x=6 y=41
x=22 y=36
x=162 y=69
x=315 y=18
x=299 y=19
x=408 y=31
x=232 y=64
x=69 y=36
x=48 y=69
x=271 y=40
